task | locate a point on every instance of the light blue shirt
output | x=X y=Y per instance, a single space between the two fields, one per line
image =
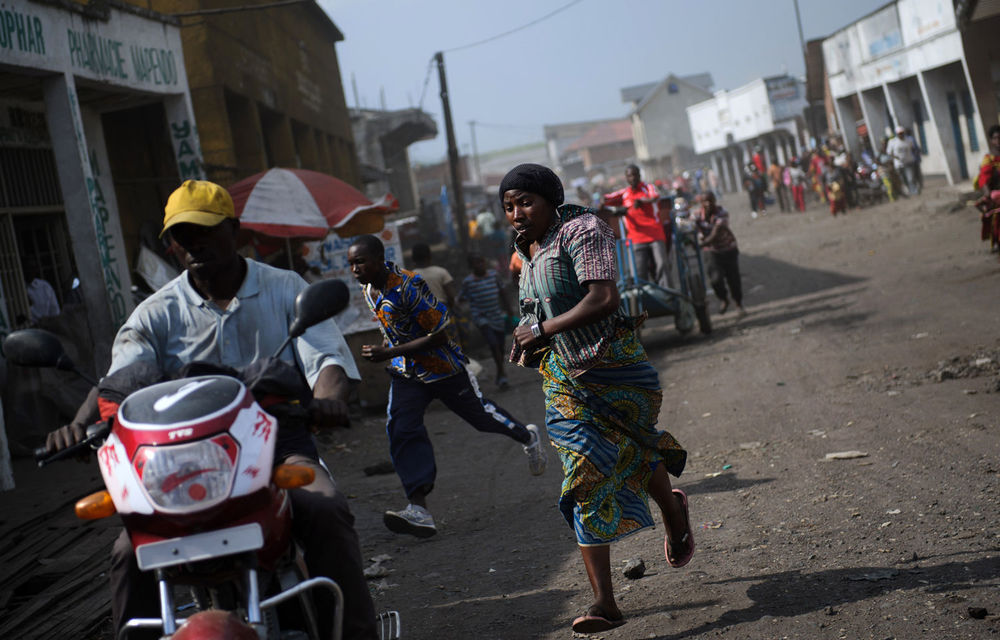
x=176 y=326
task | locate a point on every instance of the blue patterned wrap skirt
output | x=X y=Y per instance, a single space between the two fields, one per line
x=602 y=423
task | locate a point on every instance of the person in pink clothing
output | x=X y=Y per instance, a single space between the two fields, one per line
x=643 y=227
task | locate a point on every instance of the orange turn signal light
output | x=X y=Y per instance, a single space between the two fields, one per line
x=293 y=476
x=95 y=506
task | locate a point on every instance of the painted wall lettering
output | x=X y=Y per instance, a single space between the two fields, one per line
x=98 y=207
x=126 y=49
x=105 y=247
x=188 y=158
x=21 y=31
x=101 y=55
x=155 y=66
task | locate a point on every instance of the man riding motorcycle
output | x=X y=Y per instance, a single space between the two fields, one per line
x=228 y=310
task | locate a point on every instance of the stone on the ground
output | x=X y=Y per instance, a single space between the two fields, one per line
x=634 y=569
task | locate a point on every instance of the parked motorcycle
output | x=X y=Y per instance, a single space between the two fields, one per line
x=189 y=466
x=869 y=185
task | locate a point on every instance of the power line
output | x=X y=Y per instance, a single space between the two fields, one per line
x=430 y=63
x=427 y=79
x=494 y=125
x=507 y=33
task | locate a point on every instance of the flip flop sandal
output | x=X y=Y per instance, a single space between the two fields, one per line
x=596 y=623
x=687 y=540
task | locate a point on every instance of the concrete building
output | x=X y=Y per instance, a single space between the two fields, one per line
x=660 y=130
x=558 y=137
x=766 y=112
x=437 y=223
x=382 y=139
x=817 y=92
x=589 y=152
x=494 y=165
x=433 y=181
x=906 y=65
x=95 y=112
x=266 y=88
x=100 y=92
x=604 y=150
x=978 y=22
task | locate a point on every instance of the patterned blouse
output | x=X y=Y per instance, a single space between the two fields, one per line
x=578 y=248
x=406 y=310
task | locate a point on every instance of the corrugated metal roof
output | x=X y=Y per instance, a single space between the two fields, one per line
x=602 y=134
x=638 y=92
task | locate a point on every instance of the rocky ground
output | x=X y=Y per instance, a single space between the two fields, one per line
x=872 y=336
x=873 y=333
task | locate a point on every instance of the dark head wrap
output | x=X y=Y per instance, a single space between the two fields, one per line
x=534 y=178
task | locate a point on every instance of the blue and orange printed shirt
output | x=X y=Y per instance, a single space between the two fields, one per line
x=406 y=310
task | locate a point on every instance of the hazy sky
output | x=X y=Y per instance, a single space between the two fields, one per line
x=567 y=68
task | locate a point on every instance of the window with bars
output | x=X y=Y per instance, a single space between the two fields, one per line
x=33 y=235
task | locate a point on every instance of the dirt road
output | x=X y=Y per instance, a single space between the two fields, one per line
x=873 y=332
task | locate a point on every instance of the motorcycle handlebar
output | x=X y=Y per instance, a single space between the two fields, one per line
x=96 y=434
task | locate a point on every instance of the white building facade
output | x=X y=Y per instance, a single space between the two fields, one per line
x=67 y=70
x=660 y=131
x=905 y=65
x=765 y=113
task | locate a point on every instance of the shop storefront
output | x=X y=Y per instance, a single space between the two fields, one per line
x=905 y=66
x=765 y=113
x=96 y=127
x=69 y=77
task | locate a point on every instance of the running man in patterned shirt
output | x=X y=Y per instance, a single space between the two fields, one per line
x=424 y=364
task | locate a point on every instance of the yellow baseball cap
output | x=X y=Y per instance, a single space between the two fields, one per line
x=198 y=202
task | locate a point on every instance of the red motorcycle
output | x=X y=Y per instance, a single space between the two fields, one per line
x=188 y=465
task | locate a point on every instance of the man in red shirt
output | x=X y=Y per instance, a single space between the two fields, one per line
x=643 y=227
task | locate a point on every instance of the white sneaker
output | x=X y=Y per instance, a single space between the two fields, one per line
x=414 y=520
x=535 y=453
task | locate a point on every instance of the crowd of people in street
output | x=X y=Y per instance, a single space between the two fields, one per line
x=834 y=177
x=602 y=395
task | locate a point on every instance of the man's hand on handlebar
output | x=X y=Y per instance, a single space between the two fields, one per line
x=65 y=437
x=329 y=404
x=327 y=413
x=76 y=431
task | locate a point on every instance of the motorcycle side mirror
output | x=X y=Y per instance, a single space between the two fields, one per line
x=38 y=348
x=314 y=304
x=317 y=302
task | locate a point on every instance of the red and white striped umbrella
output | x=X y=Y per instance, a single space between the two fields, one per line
x=298 y=203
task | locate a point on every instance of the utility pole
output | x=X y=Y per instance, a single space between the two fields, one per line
x=457 y=197
x=802 y=40
x=475 y=152
x=810 y=117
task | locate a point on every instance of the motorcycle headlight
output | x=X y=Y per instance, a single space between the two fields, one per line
x=187 y=477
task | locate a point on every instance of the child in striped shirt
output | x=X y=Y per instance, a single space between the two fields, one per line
x=489 y=309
